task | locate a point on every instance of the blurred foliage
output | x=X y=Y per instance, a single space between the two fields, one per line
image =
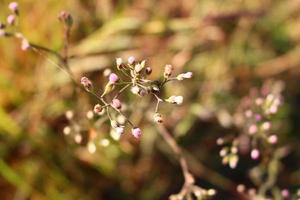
x=230 y=45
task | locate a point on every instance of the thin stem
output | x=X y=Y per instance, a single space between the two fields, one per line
x=188 y=177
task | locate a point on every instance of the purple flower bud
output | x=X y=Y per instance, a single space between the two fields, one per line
x=131 y=60
x=87 y=84
x=13 y=6
x=258 y=117
x=255 y=154
x=136 y=132
x=25 y=45
x=113 y=78
x=11 y=19
x=116 y=103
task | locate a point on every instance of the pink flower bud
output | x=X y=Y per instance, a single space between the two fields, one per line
x=98 y=108
x=87 y=84
x=273 y=139
x=113 y=78
x=252 y=129
x=116 y=103
x=285 y=193
x=136 y=132
x=255 y=154
x=25 y=45
x=13 y=6
x=11 y=19
x=131 y=60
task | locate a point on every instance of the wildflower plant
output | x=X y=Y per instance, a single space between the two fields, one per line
x=131 y=76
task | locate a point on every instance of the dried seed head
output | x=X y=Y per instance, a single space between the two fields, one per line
x=87 y=84
x=136 y=132
x=13 y=6
x=113 y=78
x=116 y=103
x=11 y=19
x=168 y=71
x=66 y=18
x=158 y=118
x=98 y=109
x=131 y=60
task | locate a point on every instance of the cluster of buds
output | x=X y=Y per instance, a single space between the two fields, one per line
x=252 y=193
x=133 y=76
x=256 y=116
x=10 y=23
x=229 y=153
x=194 y=191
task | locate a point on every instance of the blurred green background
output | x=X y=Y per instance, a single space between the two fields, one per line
x=230 y=45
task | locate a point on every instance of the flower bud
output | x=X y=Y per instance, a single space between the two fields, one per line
x=131 y=60
x=67 y=130
x=69 y=114
x=158 y=118
x=66 y=18
x=119 y=63
x=108 y=88
x=113 y=78
x=168 y=71
x=252 y=129
x=87 y=84
x=175 y=100
x=106 y=72
x=136 y=132
x=266 y=126
x=272 y=139
x=135 y=89
x=13 y=6
x=186 y=75
x=25 y=44
x=11 y=19
x=148 y=70
x=98 y=109
x=119 y=130
x=255 y=154
x=116 y=103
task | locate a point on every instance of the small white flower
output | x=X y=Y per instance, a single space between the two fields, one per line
x=186 y=75
x=135 y=89
x=90 y=114
x=131 y=60
x=91 y=147
x=119 y=61
x=69 y=114
x=67 y=130
x=175 y=100
x=119 y=130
